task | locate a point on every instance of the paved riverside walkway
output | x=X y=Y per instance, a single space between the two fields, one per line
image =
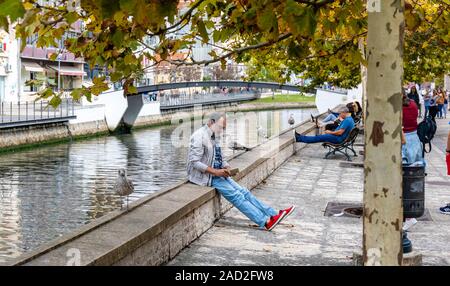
x=308 y=237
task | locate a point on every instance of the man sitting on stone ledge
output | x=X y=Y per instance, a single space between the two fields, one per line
x=206 y=167
x=335 y=137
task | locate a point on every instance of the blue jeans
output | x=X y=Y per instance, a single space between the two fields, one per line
x=427 y=110
x=412 y=150
x=330 y=118
x=243 y=200
x=319 y=138
x=440 y=110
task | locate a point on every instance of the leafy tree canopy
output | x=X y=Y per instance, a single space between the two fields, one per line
x=318 y=38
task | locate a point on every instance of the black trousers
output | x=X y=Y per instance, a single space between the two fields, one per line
x=433 y=111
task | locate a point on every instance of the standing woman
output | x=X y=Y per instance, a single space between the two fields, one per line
x=426 y=101
x=433 y=108
x=445 y=109
x=411 y=145
x=413 y=95
x=440 y=103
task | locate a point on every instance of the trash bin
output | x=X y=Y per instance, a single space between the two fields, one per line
x=413 y=191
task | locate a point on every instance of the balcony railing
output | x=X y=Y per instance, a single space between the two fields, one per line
x=44 y=54
x=15 y=114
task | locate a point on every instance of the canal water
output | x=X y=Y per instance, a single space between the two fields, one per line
x=49 y=191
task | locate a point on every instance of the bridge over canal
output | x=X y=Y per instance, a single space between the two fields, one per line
x=249 y=91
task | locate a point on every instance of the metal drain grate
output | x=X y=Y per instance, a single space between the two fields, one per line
x=337 y=209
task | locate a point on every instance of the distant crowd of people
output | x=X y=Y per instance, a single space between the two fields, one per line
x=434 y=102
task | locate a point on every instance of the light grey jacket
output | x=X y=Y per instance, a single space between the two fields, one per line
x=201 y=156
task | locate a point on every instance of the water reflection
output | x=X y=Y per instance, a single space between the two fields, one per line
x=48 y=191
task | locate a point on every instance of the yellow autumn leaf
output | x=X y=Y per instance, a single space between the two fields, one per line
x=28 y=5
x=118 y=17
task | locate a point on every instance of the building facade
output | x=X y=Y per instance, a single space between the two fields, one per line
x=63 y=74
x=34 y=63
x=9 y=59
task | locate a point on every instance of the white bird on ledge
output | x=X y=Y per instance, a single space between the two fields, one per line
x=123 y=186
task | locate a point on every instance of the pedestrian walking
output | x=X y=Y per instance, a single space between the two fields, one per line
x=440 y=100
x=414 y=95
x=426 y=101
x=446 y=98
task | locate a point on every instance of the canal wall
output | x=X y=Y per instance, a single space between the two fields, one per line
x=28 y=136
x=173 y=116
x=91 y=121
x=157 y=227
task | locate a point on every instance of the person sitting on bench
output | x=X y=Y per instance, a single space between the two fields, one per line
x=332 y=117
x=333 y=125
x=332 y=121
x=358 y=108
x=334 y=137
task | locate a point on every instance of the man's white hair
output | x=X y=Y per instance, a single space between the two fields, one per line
x=215 y=116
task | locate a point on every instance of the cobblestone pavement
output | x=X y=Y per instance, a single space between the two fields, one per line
x=308 y=237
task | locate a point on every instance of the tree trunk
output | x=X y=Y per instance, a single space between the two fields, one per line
x=383 y=212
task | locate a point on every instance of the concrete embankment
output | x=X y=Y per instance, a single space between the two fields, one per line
x=174 y=116
x=91 y=122
x=29 y=136
x=159 y=226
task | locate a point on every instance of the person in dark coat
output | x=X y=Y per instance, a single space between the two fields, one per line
x=414 y=95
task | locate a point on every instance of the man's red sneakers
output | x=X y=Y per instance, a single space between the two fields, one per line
x=288 y=211
x=274 y=220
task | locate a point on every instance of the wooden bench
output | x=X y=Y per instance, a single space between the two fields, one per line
x=344 y=146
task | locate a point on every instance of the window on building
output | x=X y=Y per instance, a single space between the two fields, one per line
x=31 y=40
x=67 y=82
x=33 y=87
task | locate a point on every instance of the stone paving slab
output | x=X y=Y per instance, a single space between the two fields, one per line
x=307 y=237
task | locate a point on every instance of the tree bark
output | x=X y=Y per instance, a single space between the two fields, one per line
x=383 y=212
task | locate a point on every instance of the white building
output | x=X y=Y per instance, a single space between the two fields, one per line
x=9 y=59
x=33 y=63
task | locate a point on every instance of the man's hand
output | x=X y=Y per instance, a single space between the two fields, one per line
x=221 y=173
x=327 y=131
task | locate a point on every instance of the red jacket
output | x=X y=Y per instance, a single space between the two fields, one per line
x=410 y=114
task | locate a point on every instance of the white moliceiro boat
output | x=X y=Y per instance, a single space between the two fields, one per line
x=328 y=99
